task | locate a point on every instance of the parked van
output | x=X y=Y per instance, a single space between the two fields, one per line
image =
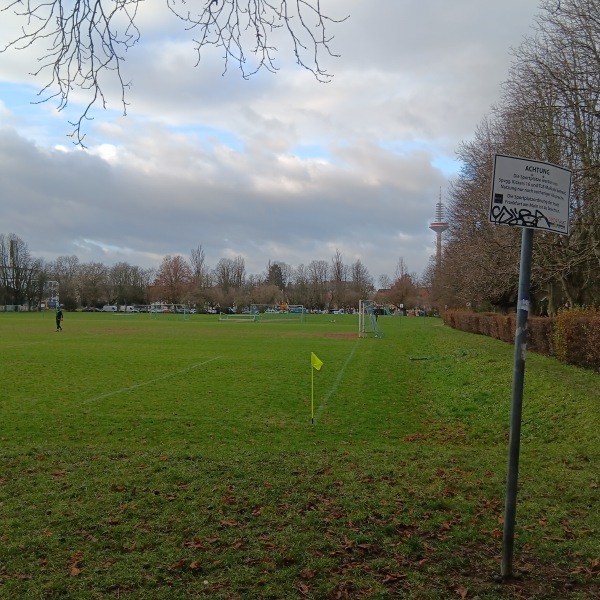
x=128 y=309
x=109 y=308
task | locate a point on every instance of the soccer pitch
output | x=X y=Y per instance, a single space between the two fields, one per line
x=165 y=458
x=211 y=385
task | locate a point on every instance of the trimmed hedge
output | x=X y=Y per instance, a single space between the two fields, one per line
x=573 y=336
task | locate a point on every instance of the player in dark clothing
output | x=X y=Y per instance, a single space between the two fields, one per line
x=59 y=318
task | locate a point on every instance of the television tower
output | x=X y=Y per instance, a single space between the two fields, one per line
x=439 y=226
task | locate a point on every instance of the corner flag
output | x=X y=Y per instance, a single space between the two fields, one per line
x=315 y=361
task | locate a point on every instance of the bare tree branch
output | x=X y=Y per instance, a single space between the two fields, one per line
x=87 y=39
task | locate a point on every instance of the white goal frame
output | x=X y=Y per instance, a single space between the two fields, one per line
x=239 y=317
x=367 y=320
x=267 y=313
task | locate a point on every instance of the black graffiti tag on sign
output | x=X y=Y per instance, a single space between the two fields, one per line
x=519 y=217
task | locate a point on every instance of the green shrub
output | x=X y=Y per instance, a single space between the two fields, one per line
x=577 y=337
x=573 y=336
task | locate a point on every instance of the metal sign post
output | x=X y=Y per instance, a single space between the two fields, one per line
x=533 y=195
x=514 y=444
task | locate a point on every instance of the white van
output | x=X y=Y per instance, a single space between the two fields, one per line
x=128 y=309
x=109 y=308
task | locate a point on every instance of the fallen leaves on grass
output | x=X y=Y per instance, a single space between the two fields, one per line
x=75 y=564
x=176 y=566
x=591 y=570
x=462 y=591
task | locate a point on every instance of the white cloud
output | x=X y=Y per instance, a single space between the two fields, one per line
x=279 y=167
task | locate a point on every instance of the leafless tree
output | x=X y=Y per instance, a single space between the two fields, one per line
x=93 y=286
x=318 y=283
x=89 y=284
x=229 y=277
x=200 y=270
x=173 y=280
x=65 y=270
x=556 y=86
x=266 y=293
x=361 y=280
x=39 y=275
x=339 y=279
x=129 y=283
x=239 y=272
x=81 y=43
x=385 y=282
x=549 y=111
x=401 y=270
x=403 y=291
x=223 y=274
x=480 y=260
x=299 y=291
x=17 y=269
x=198 y=262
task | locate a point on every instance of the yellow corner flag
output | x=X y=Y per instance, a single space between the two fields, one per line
x=315 y=361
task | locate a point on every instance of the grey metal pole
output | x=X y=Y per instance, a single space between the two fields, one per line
x=510 y=507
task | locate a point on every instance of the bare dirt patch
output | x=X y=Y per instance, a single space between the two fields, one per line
x=340 y=335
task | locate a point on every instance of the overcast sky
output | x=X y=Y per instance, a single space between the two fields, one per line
x=275 y=168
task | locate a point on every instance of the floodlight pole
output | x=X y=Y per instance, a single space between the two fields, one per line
x=510 y=508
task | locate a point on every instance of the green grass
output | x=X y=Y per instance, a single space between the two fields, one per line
x=176 y=459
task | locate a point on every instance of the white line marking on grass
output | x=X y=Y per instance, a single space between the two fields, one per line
x=138 y=385
x=330 y=393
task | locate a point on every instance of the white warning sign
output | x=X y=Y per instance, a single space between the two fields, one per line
x=530 y=193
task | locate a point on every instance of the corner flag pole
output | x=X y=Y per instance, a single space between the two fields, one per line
x=312 y=395
x=315 y=363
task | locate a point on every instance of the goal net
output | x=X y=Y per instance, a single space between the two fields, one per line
x=286 y=312
x=367 y=320
x=265 y=313
x=245 y=317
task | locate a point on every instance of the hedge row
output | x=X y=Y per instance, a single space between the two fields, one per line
x=573 y=336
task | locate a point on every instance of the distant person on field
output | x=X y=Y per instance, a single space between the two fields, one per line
x=59 y=318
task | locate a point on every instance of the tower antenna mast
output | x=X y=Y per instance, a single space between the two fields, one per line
x=439 y=226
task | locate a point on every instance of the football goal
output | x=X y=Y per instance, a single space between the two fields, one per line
x=266 y=313
x=292 y=312
x=159 y=310
x=367 y=320
x=240 y=317
x=9 y=308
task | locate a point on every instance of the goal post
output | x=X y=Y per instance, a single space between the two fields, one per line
x=239 y=317
x=267 y=313
x=367 y=320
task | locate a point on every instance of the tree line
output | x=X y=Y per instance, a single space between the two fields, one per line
x=549 y=110
x=321 y=284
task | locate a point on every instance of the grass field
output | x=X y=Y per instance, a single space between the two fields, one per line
x=163 y=458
